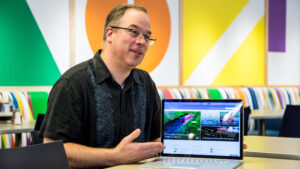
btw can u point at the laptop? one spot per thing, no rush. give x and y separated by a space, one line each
201 133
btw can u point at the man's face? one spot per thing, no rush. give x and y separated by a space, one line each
128 48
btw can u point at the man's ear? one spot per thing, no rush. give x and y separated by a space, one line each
109 34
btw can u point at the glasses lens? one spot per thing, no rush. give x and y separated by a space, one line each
152 41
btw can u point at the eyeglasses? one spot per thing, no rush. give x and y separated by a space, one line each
135 33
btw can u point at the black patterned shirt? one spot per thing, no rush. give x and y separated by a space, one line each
87 106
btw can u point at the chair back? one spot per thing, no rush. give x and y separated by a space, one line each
46 156
290 125
247 111
35 138
39 121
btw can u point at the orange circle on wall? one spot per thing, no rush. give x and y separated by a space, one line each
158 12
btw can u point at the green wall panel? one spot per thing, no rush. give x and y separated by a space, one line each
39 102
25 59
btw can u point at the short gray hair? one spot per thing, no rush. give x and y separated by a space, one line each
117 12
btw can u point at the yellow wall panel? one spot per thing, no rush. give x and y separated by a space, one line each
204 22
247 65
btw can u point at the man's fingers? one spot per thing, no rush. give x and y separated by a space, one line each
148 153
151 145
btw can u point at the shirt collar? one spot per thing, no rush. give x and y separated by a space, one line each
102 73
136 78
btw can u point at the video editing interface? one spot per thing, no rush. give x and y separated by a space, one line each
202 128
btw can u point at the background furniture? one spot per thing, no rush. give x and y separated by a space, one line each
262 116
17 129
247 112
290 126
29 103
35 138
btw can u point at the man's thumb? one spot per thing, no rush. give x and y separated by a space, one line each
132 135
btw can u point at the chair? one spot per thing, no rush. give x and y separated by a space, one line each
290 126
46 156
35 138
247 112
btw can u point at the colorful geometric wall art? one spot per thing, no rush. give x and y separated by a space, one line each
224 42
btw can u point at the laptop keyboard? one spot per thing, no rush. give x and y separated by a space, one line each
194 160
171 162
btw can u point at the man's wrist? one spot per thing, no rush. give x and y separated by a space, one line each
114 155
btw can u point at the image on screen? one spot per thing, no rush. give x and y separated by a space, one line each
182 125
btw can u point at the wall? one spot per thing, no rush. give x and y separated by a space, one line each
284 67
35 50
224 42
161 59
34 42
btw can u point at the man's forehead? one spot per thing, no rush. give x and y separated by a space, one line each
137 19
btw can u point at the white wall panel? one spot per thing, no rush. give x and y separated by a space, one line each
284 67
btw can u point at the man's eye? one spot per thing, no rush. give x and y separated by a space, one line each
147 37
135 32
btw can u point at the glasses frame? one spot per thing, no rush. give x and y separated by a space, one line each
149 40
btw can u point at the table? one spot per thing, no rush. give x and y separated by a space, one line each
272 147
262 115
6 127
249 163
263 153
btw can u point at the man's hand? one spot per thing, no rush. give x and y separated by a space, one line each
128 151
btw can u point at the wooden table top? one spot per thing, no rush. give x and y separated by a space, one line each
273 147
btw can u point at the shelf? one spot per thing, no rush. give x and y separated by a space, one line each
6 114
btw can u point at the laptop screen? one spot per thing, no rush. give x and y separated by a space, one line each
203 128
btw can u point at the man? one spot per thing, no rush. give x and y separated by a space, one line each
104 108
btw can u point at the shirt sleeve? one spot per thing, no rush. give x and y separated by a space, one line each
63 117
